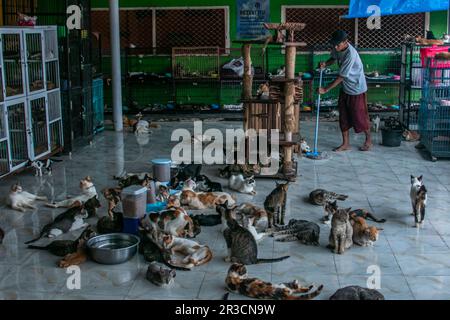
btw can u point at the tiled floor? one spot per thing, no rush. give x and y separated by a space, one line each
414 264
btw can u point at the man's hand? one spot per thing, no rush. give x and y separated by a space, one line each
322 65
322 90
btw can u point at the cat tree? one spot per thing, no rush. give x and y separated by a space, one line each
280 112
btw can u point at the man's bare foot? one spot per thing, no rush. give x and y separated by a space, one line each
366 147
342 148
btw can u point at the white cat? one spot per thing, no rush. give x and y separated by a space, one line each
376 124
243 185
304 146
21 200
249 225
88 191
192 253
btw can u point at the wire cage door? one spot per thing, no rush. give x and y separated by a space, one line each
13 67
34 61
4 152
16 126
38 126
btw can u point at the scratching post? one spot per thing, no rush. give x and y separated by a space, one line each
248 78
289 106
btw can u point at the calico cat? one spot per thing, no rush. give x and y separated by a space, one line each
173 221
185 172
62 248
416 184
21 200
332 207
259 215
320 197
306 232
88 191
243 185
356 293
107 225
241 244
204 184
341 231
420 205
160 275
204 200
246 170
40 165
275 204
246 221
113 196
237 281
363 235
192 253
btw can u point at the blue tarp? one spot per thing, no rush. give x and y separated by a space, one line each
359 8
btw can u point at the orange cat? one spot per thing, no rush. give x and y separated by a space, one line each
204 200
363 235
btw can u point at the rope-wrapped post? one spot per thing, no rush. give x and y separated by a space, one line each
289 105
248 77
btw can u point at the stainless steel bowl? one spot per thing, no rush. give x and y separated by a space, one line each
114 248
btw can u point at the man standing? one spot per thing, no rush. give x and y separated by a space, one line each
353 112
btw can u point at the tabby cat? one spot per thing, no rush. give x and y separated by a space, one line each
341 231
332 207
320 197
241 244
275 204
357 293
160 275
237 281
306 232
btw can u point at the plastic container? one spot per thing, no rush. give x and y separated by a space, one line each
391 138
134 201
161 170
151 193
131 226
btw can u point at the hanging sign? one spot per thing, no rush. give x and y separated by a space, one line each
251 15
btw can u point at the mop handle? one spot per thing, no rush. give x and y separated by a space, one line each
316 136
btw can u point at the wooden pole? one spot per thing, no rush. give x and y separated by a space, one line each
289 106
248 78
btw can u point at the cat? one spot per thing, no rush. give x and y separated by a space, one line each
163 194
375 121
88 191
204 184
356 293
173 221
21 200
135 179
259 215
107 224
241 244
428 42
341 231
2 235
243 185
207 220
420 206
74 259
70 220
160 275
275 204
306 232
39 165
332 207
363 235
237 281
416 184
185 172
246 221
246 170
113 196
263 92
141 126
320 197
62 248
411 136
192 253
304 147
204 200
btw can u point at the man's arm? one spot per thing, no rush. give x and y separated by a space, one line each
333 85
329 62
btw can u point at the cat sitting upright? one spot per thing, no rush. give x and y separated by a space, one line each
88 191
275 204
243 185
21 200
341 231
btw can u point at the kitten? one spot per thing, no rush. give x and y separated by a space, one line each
88 191
204 200
40 165
416 183
263 91
21 200
341 231
243 185
275 204
320 197
306 232
110 225
241 244
237 281
420 205
62 248
172 221
363 235
160 275
204 184
356 293
113 196
192 253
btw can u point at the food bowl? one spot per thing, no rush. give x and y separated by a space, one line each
114 248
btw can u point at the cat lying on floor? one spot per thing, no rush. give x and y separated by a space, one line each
88 191
320 197
237 281
192 253
160 275
172 221
242 185
204 200
363 235
185 172
204 184
356 293
21 200
306 232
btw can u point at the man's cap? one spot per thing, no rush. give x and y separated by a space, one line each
337 37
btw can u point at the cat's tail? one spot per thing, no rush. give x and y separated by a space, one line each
36 239
272 260
226 296
373 218
307 296
341 197
36 247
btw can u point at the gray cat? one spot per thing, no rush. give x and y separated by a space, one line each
160 275
357 293
320 196
241 244
341 231
306 232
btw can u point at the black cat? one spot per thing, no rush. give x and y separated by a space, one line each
185 172
204 184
